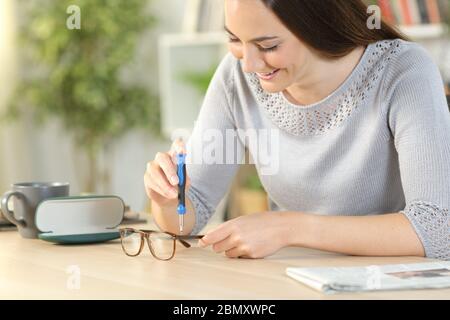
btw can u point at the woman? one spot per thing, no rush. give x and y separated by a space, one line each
363 136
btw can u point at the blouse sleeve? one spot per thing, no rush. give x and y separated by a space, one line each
212 161
419 120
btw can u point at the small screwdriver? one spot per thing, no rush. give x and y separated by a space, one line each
181 172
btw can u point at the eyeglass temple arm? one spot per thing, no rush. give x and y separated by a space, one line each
186 244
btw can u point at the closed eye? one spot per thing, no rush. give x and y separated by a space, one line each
268 49
234 40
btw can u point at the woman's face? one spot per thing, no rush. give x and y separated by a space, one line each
265 45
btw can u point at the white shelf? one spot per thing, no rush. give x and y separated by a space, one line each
424 31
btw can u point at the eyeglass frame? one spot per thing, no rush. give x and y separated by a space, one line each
146 234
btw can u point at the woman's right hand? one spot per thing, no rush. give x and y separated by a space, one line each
160 178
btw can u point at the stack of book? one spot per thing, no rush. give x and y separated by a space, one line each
415 12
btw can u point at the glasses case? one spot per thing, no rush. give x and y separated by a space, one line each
82 219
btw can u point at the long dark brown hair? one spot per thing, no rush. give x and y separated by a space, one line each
332 27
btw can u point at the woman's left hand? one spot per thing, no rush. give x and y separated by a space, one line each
252 236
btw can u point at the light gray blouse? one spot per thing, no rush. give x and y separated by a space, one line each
379 144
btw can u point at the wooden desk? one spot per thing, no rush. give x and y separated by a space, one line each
34 269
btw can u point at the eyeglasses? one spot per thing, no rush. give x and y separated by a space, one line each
162 245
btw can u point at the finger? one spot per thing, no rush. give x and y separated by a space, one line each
157 198
178 146
224 245
159 179
236 252
153 190
167 166
216 235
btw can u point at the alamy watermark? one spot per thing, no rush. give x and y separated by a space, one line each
227 147
374 20
73 22
373 277
74 279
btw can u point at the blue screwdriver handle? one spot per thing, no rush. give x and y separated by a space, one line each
181 172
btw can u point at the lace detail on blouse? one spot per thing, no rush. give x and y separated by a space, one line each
202 213
432 225
328 114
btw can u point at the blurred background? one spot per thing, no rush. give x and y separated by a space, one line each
90 90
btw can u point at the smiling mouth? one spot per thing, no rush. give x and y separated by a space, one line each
267 75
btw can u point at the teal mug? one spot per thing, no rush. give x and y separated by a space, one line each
26 197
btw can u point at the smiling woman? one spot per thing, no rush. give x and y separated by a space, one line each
289 40
363 136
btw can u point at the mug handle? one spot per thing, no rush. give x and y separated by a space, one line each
9 215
